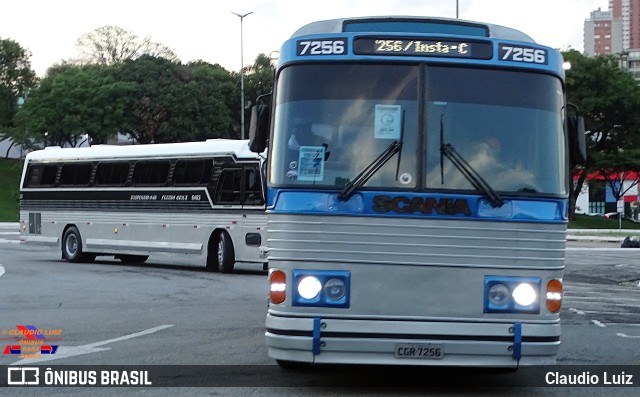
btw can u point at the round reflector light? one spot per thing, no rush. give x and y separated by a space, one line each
277 287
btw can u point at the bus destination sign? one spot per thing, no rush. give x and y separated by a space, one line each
424 47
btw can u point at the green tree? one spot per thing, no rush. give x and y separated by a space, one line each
16 81
174 102
73 101
608 98
199 109
146 110
258 81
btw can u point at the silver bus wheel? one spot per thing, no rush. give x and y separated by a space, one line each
225 253
72 247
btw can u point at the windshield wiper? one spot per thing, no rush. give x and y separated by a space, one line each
369 170
471 174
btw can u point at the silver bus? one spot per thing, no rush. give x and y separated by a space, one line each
198 198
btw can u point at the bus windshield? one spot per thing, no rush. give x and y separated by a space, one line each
332 121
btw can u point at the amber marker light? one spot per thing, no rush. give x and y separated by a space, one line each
554 295
277 286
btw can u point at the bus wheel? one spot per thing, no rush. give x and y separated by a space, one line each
225 255
72 247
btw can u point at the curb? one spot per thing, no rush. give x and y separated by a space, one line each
10 225
596 238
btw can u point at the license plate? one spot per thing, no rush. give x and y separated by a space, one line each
426 351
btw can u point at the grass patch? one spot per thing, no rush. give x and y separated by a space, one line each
600 222
10 173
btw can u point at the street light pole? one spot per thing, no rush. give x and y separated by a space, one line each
241 16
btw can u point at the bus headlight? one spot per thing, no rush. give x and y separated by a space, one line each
506 294
524 294
335 289
499 294
321 288
309 287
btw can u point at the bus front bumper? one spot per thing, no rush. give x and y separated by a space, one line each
389 342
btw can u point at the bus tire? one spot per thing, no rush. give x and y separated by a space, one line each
72 247
225 255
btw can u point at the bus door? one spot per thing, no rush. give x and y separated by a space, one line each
253 206
238 195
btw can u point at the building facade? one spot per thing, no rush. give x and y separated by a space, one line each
597 195
602 34
615 32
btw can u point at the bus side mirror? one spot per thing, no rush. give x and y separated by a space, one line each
577 142
259 128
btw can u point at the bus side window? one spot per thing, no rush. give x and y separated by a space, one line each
76 174
112 173
42 175
192 172
228 188
253 187
151 173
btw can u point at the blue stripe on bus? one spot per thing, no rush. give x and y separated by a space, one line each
553 64
316 336
417 205
517 341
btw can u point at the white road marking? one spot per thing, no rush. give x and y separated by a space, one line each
599 249
1 270
598 323
70 351
622 335
576 311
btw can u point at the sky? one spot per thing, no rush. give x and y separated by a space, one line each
208 30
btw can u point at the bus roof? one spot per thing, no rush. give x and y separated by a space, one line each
412 24
239 148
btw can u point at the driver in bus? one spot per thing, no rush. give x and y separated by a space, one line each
302 135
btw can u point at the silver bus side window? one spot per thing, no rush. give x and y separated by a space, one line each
228 190
112 173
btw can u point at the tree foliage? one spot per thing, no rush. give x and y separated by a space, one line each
152 99
109 45
125 84
175 103
608 98
72 101
16 80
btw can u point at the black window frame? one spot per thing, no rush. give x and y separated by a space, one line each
45 169
78 172
185 167
112 165
150 173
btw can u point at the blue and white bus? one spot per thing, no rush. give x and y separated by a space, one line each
417 194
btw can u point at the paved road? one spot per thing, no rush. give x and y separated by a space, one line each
171 311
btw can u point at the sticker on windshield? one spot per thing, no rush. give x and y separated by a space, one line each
311 163
388 122
405 178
